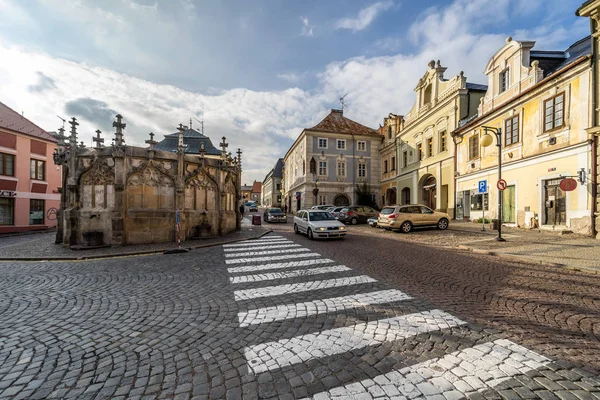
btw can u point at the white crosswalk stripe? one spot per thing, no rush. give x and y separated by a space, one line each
249 243
272 258
300 287
267 252
456 375
286 352
262 247
288 274
291 264
318 306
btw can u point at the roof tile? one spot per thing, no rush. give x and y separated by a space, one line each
12 120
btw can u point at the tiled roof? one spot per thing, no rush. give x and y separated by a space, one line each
335 122
476 86
191 139
278 170
12 120
256 187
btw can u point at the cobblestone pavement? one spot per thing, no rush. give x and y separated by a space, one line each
285 317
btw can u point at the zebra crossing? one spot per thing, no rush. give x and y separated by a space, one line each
457 374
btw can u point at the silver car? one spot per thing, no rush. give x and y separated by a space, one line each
318 224
335 211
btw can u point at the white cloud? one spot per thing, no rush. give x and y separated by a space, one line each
307 29
291 77
365 16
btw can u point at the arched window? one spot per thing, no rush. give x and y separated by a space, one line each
427 94
406 196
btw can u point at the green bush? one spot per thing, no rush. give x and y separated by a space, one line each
481 220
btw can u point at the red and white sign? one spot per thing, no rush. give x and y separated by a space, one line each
568 184
501 185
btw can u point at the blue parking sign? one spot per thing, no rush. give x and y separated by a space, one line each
482 186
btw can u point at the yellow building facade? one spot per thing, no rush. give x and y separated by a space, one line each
418 161
539 102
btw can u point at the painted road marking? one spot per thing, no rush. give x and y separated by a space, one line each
267 252
257 242
263 247
456 375
271 258
288 274
300 287
275 355
291 264
320 306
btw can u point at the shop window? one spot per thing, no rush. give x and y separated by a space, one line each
479 202
7 211
36 212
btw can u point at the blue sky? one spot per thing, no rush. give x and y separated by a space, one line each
258 71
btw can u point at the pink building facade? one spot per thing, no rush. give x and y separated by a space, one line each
29 180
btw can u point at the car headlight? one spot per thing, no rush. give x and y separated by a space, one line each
342 228
321 229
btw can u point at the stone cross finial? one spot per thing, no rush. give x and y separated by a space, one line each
181 129
224 146
73 138
119 125
61 137
81 144
98 139
151 141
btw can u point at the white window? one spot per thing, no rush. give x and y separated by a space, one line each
322 199
341 168
341 144
362 146
504 80
322 143
323 168
362 170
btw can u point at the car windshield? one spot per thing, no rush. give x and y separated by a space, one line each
344 210
320 216
275 210
387 211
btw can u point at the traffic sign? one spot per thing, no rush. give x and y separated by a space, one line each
568 184
298 195
501 185
482 186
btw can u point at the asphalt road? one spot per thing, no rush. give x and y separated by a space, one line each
370 316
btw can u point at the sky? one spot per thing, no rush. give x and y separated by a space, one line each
256 72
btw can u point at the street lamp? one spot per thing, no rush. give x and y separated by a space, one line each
486 141
316 190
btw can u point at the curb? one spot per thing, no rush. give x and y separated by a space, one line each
527 259
129 254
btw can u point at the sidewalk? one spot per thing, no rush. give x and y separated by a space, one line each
42 247
544 247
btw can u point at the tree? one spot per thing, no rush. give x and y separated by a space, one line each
364 195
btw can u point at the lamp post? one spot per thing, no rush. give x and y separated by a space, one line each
486 141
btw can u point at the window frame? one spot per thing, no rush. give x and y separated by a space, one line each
420 151
341 164
37 169
443 138
553 114
3 163
504 80
405 159
429 146
337 144
509 122
364 170
10 203
43 203
385 166
393 164
324 167
363 147
473 148
319 143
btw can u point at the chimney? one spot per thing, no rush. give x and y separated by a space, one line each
337 111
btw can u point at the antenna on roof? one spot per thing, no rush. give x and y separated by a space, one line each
201 121
63 120
190 123
342 101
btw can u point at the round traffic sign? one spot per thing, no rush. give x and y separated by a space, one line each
501 185
568 184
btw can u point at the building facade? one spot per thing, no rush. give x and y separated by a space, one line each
328 161
539 103
117 195
246 192
417 158
29 181
271 186
256 194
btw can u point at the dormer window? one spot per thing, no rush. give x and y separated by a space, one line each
504 80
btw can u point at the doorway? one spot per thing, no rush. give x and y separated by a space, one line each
508 205
555 203
341 200
429 192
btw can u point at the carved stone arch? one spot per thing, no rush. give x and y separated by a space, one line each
229 193
200 190
96 184
150 186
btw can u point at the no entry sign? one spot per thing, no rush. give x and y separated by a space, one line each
501 185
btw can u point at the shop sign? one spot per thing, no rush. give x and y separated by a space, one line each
7 193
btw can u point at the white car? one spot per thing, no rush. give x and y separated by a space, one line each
318 224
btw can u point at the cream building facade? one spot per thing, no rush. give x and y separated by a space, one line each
418 154
540 102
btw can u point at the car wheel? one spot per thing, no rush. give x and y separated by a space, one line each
442 224
296 231
310 234
406 227
354 221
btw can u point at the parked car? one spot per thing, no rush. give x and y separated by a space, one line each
357 214
250 203
274 215
407 217
372 222
335 211
318 224
322 207
253 208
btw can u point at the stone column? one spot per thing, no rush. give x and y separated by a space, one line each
179 182
120 210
